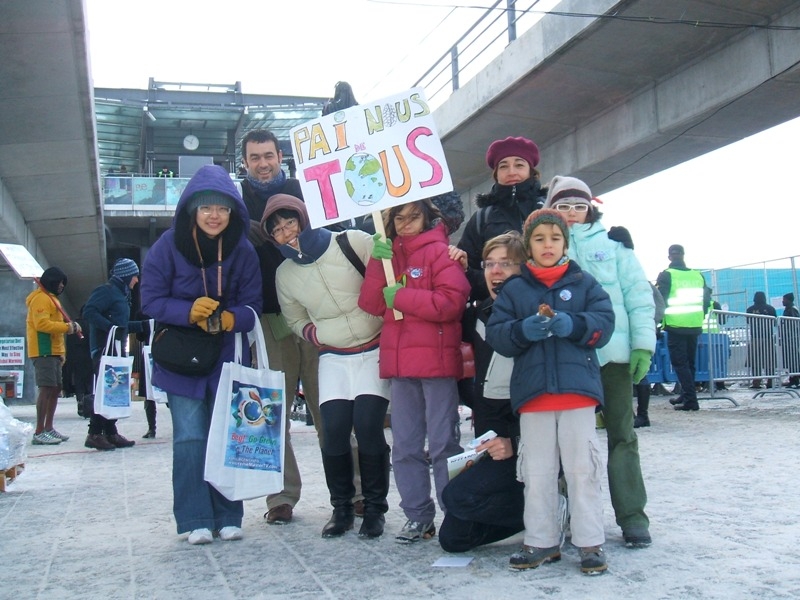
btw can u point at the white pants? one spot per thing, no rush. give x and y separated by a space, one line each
569 437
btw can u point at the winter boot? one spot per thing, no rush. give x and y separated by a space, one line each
642 405
375 487
339 477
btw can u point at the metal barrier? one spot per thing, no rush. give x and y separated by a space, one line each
739 347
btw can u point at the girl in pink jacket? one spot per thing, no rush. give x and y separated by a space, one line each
419 353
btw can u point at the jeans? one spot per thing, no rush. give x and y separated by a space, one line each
484 504
196 503
625 482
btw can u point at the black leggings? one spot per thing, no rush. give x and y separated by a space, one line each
365 415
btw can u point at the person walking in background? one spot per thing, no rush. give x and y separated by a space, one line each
318 289
420 353
202 264
516 193
551 320
761 355
45 328
642 389
296 357
78 371
109 305
687 298
625 359
485 503
790 340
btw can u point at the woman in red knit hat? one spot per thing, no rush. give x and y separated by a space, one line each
516 193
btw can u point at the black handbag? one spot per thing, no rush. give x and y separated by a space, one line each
186 350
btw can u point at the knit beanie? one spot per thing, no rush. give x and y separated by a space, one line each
209 198
789 297
570 189
125 269
51 278
548 216
512 146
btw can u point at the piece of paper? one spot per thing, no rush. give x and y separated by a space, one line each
453 561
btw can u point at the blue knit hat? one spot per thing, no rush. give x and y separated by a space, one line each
125 269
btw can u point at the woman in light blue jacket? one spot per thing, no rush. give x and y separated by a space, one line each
626 358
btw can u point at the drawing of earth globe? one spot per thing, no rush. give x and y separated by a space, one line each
364 179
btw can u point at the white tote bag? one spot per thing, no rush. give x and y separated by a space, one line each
112 385
153 392
245 450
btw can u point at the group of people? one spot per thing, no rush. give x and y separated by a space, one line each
558 309
46 326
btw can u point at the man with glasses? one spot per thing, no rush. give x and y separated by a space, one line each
297 358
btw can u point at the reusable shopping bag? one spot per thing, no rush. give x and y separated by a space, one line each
245 449
112 385
152 392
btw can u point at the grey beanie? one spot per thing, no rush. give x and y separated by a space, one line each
209 198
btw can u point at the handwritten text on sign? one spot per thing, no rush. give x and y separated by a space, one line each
369 157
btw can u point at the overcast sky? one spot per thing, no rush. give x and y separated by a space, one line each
719 206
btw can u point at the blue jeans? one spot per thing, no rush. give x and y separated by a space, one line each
196 503
484 504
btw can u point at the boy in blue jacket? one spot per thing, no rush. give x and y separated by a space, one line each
551 319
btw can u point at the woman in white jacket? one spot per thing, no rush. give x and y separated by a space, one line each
626 358
318 290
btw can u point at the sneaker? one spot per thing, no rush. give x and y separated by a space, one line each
279 515
200 536
637 537
120 441
99 442
44 439
414 531
531 557
230 533
593 561
59 436
151 434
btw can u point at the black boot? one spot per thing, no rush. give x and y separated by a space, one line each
642 405
375 487
339 476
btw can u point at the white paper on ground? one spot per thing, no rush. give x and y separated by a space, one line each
453 561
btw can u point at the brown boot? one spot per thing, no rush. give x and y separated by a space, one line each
99 442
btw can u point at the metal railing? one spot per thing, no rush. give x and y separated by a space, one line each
738 347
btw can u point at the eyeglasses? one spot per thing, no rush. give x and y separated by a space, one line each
566 207
288 224
220 210
400 220
505 265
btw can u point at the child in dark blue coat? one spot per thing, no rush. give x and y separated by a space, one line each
551 319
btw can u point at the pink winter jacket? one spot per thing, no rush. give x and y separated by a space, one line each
425 342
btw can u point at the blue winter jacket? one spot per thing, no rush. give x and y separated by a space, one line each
171 284
554 365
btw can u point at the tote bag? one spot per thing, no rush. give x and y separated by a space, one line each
154 393
245 449
112 385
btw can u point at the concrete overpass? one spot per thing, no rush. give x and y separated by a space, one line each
613 94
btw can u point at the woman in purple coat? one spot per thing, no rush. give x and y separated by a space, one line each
203 264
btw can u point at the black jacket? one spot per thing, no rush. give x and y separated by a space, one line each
503 209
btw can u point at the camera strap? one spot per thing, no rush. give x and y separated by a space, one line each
203 267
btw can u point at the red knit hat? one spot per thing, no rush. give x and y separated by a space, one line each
512 146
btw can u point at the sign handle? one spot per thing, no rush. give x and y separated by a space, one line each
388 271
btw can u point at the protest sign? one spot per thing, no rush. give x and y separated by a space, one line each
369 157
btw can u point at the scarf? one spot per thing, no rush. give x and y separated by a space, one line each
313 244
269 188
549 275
